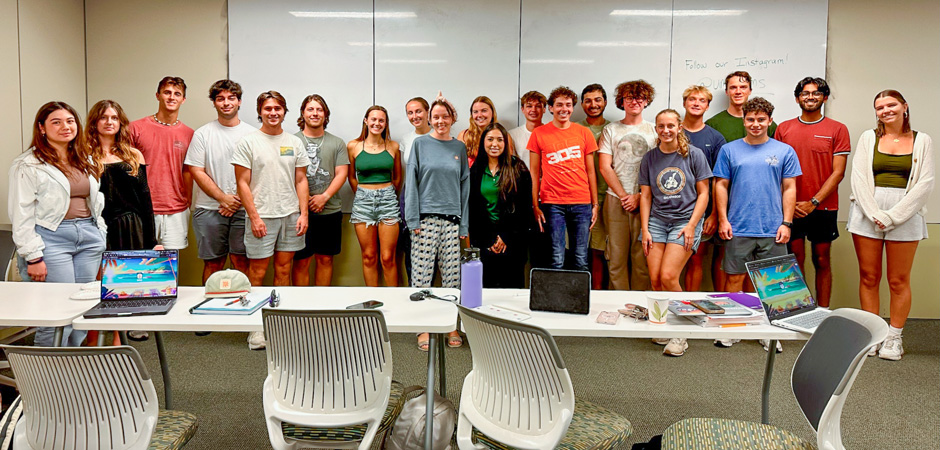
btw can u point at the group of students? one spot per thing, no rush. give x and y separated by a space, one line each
645 199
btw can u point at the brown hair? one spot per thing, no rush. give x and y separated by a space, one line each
172 81
267 95
474 132
738 74
759 104
696 89
562 91
78 157
122 140
365 129
681 138
906 126
224 85
510 171
420 100
532 95
636 89
450 108
303 105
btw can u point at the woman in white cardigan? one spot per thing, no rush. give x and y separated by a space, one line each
892 176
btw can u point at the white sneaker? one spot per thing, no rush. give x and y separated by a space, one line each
766 344
256 340
891 349
138 335
726 342
676 347
661 341
874 350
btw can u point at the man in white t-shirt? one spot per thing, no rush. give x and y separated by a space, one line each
622 146
533 108
271 176
218 215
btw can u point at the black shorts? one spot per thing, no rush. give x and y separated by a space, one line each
324 235
819 226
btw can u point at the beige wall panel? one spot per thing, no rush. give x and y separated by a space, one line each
11 131
132 44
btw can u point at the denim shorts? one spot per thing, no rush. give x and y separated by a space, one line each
371 206
668 232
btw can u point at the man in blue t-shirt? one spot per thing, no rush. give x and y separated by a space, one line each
755 194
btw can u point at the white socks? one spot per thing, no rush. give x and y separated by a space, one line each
894 331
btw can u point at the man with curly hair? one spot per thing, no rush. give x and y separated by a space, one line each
622 146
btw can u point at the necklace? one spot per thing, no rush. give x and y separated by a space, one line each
164 123
313 142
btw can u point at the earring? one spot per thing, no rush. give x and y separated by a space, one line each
907 113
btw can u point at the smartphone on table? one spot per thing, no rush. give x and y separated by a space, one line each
369 304
707 306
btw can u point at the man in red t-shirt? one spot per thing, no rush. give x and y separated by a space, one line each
822 145
163 139
564 184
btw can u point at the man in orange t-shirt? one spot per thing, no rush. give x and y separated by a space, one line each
564 184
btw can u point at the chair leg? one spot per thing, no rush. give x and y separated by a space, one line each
465 434
276 435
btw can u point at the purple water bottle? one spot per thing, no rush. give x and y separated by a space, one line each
471 278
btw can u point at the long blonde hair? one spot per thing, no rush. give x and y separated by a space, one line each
122 140
681 138
475 132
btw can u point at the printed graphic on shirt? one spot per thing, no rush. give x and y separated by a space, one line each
670 182
565 154
179 146
772 161
628 154
287 151
319 178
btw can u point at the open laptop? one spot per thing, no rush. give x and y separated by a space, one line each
137 283
784 294
565 291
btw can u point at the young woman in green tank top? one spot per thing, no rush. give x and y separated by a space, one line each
375 177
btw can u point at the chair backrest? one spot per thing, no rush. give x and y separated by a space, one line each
519 380
826 367
328 361
85 397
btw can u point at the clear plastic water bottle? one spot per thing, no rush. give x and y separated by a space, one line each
471 278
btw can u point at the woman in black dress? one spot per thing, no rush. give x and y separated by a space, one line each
128 210
500 209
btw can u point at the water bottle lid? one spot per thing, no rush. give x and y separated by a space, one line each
471 253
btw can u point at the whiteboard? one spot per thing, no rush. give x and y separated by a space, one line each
356 53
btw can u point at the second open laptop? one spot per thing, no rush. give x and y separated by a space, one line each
137 282
565 291
784 294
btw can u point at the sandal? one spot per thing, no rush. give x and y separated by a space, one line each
424 344
454 341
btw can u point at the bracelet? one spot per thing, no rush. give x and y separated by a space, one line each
34 262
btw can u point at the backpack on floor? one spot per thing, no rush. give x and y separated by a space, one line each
408 431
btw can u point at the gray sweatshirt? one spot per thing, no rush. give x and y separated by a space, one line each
437 181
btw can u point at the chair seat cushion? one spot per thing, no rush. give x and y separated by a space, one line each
353 433
592 427
174 429
717 434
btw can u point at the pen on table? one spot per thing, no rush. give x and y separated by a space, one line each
233 302
730 325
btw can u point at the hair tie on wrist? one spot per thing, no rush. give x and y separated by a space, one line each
34 262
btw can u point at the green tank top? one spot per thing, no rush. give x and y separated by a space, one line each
374 168
891 170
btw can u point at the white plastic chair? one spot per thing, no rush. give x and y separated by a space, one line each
326 369
519 393
821 379
95 398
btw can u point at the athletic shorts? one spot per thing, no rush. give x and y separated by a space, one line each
172 230
914 229
217 235
740 250
819 227
371 206
281 237
668 232
324 235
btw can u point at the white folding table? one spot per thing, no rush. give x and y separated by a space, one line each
40 305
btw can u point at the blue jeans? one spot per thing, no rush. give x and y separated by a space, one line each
72 255
559 219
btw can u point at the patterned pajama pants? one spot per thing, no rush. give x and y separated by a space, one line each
438 241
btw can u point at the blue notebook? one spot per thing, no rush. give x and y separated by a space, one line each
230 305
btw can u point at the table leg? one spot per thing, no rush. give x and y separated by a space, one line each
441 366
429 392
765 390
165 369
57 337
123 336
101 335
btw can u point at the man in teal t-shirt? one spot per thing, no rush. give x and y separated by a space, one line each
730 122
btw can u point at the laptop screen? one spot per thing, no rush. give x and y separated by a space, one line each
780 285
136 274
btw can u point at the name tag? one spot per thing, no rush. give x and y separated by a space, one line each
287 151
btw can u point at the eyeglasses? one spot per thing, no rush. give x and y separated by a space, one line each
638 100
814 94
275 299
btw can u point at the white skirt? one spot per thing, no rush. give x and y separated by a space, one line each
914 229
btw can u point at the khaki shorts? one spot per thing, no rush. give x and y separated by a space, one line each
172 230
281 237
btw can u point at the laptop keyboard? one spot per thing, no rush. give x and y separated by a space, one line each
142 303
811 319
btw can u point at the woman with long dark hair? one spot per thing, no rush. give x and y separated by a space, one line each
892 176
500 209
55 207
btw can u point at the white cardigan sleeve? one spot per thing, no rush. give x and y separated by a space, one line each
920 184
863 180
22 208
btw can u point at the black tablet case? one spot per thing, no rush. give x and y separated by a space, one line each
565 291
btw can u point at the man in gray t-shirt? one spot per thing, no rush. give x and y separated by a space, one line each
329 165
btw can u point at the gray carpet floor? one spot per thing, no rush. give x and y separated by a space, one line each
893 405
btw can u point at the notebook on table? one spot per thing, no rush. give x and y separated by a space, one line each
137 282
784 295
555 290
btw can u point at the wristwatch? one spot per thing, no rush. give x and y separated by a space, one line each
787 224
814 202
